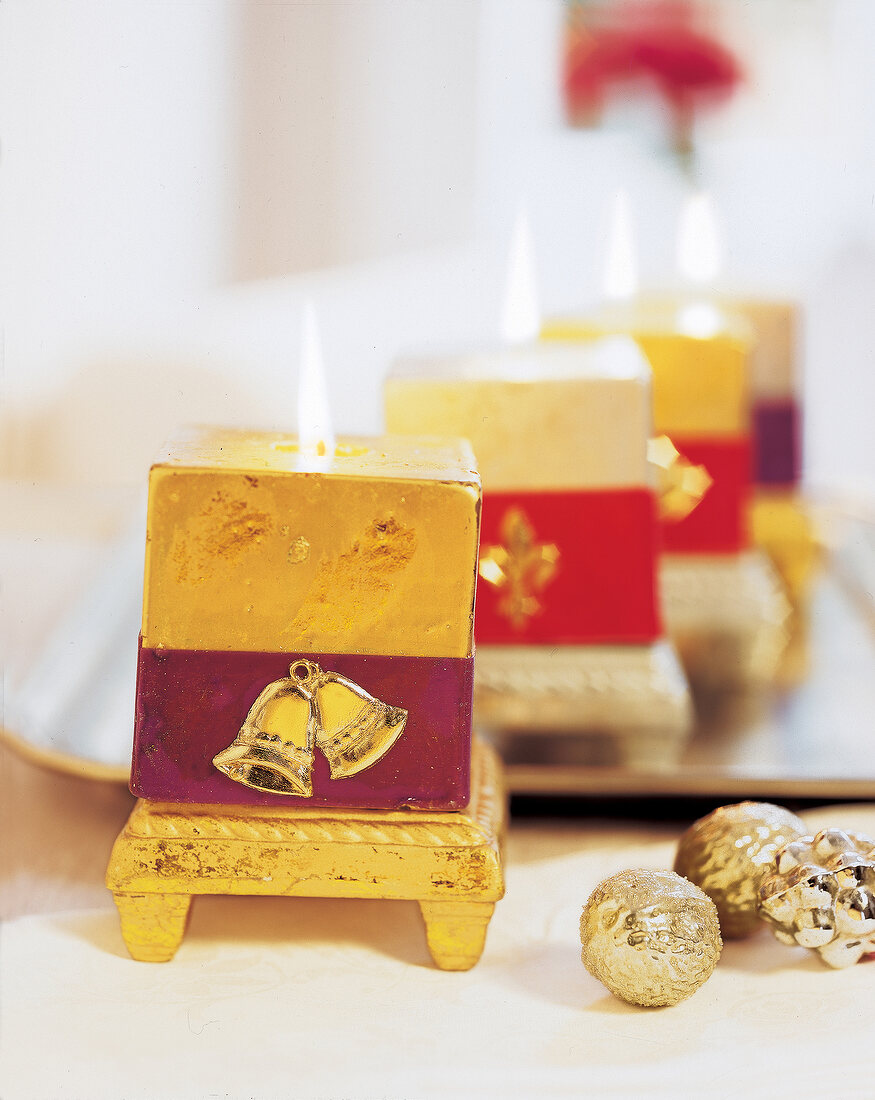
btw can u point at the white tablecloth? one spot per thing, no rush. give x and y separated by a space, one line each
270 997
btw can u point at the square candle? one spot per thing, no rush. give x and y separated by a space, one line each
775 399
723 604
568 627
773 381
560 435
701 402
307 623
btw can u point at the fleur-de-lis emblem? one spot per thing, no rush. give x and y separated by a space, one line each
520 567
680 484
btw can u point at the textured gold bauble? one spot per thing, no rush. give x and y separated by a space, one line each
730 852
651 937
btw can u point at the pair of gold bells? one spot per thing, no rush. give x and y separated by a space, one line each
275 748
654 937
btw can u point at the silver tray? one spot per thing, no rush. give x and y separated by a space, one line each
71 565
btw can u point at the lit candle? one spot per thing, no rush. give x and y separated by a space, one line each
773 324
568 617
700 355
778 517
307 618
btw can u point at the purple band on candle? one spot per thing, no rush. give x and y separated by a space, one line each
191 705
776 442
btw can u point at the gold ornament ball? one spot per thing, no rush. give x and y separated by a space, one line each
730 852
651 937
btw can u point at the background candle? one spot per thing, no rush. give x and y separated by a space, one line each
778 519
773 353
567 597
537 416
700 400
774 387
700 360
770 328
781 519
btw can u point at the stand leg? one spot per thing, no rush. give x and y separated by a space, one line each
456 931
153 924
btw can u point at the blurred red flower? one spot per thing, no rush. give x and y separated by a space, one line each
658 45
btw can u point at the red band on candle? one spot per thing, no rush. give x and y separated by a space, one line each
192 703
597 550
718 524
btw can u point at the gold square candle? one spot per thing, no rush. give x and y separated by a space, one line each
700 363
337 592
771 329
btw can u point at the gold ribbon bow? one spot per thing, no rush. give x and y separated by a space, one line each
680 484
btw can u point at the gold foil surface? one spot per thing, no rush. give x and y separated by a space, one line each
651 937
700 385
822 896
729 854
773 325
253 547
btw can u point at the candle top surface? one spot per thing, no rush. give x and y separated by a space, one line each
400 457
700 356
771 325
610 358
697 316
586 428
774 359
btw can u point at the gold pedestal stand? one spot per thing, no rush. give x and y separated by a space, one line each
449 862
626 705
727 615
782 524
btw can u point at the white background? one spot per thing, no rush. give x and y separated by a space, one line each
176 177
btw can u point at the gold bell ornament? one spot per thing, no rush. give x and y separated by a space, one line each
354 730
274 748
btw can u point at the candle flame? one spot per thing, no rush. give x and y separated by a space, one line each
315 432
699 243
702 320
621 264
521 315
